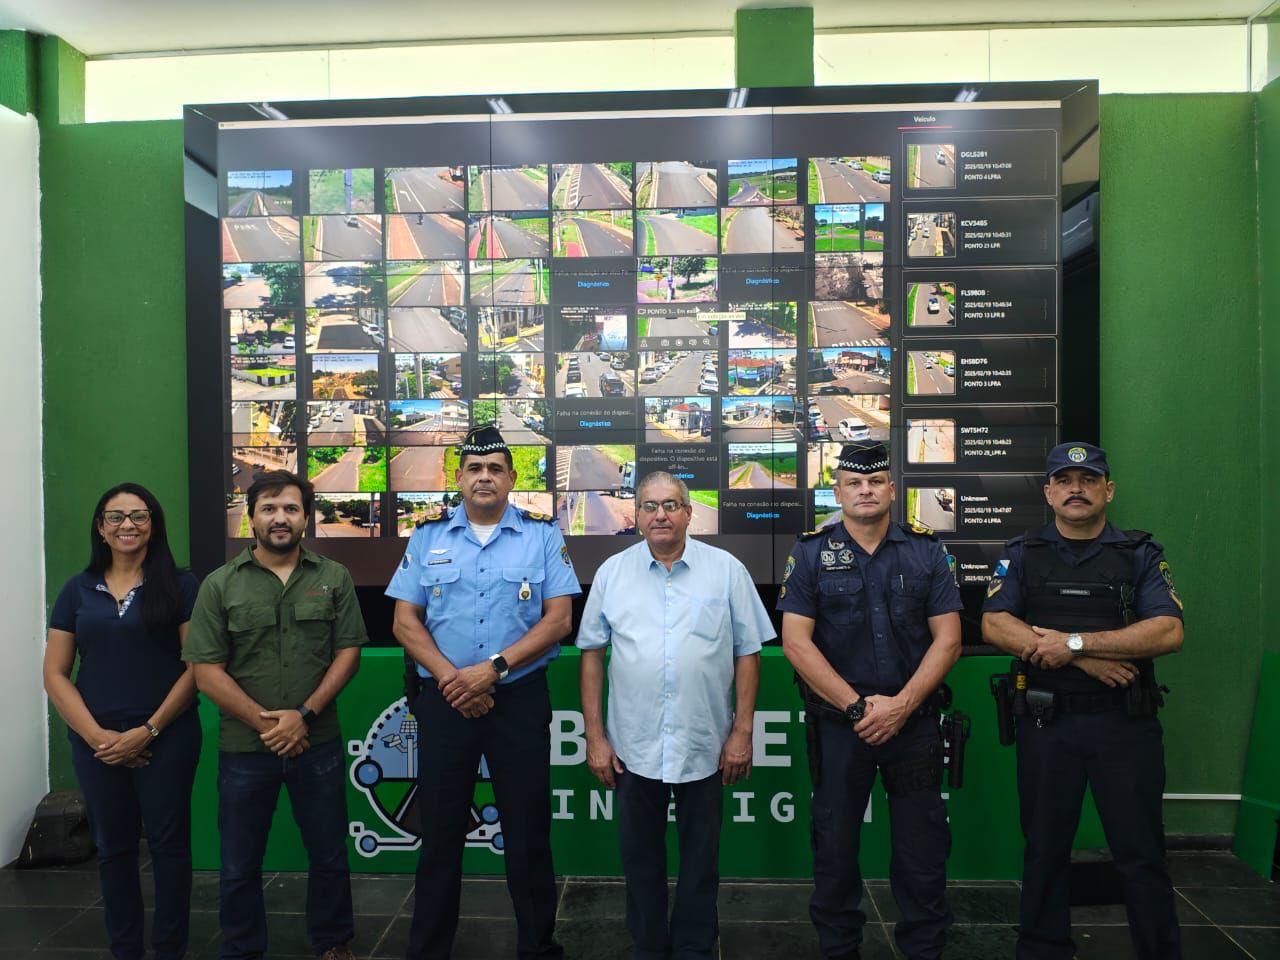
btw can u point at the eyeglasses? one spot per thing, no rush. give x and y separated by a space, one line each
668 506
113 518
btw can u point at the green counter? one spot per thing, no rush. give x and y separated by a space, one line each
766 818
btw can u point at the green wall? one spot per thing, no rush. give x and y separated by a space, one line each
1268 220
1179 360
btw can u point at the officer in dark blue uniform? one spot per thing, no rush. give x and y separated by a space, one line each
870 624
483 598
1088 607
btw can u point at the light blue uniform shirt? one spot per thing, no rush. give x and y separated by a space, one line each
479 599
675 636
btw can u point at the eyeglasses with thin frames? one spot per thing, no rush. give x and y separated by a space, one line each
113 518
668 506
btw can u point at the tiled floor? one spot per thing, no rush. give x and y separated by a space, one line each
1227 913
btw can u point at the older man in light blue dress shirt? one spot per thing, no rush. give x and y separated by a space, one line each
686 626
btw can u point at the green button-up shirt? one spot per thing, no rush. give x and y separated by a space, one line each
276 639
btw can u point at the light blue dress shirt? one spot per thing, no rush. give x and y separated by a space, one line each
478 598
675 636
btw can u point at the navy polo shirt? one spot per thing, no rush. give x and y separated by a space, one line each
871 611
125 671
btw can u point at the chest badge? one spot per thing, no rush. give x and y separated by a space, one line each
828 557
525 593
846 556
435 592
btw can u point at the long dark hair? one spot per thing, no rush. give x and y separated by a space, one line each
162 599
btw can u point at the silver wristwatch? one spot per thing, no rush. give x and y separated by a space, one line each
1075 643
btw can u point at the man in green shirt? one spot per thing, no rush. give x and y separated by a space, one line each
274 636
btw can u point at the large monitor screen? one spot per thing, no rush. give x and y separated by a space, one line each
640 282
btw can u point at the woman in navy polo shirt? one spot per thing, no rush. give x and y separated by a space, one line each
135 736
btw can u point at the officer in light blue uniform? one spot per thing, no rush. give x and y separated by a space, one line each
482 603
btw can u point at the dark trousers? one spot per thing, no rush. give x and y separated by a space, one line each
124 802
642 829
919 836
248 789
515 739
1122 760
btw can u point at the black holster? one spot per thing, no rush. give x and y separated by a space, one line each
955 733
412 682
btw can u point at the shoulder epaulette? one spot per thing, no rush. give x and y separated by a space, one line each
812 534
540 517
442 515
1136 538
919 529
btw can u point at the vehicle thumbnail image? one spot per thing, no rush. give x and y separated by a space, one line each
511 329
351 236
591 186
931 235
674 373
413 508
931 373
762 466
756 419
426 236
347 468
510 375
931 441
347 515
932 507
424 423
592 233
862 179
758 372
931 304
598 374
608 467
675 183
259 193
666 279
677 325
425 189
521 421
595 513
344 376
340 191
260 286
848 227
677 419
427 329
428 376
507 188
683 231
425 283
762 324
259 239
847 323
931 166
762 182
330 331
848 276
348 284
505 236
502 283
346 423
762 230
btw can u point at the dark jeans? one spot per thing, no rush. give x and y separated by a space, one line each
248 788
515 739
1122 760
123 802
642 828
919 836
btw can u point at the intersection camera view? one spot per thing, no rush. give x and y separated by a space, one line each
724 295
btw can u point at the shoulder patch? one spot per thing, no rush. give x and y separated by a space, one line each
540 517
919 529
442 515
1167 575
994 587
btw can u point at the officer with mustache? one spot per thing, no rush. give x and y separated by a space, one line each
1088 607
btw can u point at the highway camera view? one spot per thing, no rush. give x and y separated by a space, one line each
732 319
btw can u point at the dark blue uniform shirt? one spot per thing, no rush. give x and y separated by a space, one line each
125 672
1154 592
870 610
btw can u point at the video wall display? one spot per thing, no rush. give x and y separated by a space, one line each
727 295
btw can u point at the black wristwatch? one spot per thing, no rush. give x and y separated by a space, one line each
854 711
306 713
500 665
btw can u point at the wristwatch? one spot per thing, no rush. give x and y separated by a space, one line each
306 713
1075 643
500 666
854 711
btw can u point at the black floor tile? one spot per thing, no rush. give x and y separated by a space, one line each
50 888
995 903
1261 943
755 902
1212 869
595 939
287 936
286 893
1236 906
477 939
980 941
383 896
86 930
204 891
25 928
1113 943
487 899
1114 914
593 900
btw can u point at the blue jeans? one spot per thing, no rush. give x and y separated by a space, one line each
248 788
123 802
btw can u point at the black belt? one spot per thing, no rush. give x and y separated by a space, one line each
1100 702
